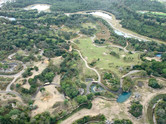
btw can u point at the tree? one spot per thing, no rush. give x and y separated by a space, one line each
81 99
124 121
136 109
153 83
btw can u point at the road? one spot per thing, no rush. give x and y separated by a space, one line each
98 74
154 106
86 64
129 73
15 76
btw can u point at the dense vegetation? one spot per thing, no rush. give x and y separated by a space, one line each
10 115
46 76
153 67
153 83
86 119
160 112
126 10
136 109
150 107
33 31
123 121
127 84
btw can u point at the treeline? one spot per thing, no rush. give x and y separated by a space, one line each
160 112
153 68
86 119
126 10
26 34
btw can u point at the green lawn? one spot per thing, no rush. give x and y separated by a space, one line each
106 61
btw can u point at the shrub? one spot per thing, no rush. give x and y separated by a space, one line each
136 109
153 83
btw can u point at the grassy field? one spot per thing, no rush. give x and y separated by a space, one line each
106 61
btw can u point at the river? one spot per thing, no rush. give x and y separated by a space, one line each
115 24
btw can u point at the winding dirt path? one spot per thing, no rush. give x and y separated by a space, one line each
15 76
86 64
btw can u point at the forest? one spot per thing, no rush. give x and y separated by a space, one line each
42 36
125 10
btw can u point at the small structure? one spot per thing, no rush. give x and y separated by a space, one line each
137 96
81 91
140 84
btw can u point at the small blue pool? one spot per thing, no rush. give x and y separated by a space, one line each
123 97
94 89
158 55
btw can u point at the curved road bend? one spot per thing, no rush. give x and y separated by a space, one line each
129 73
16 76
99 77
86 64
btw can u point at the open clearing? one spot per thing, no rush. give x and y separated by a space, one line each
106 61
5 97
46 99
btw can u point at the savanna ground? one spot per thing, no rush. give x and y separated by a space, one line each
45 100
113 110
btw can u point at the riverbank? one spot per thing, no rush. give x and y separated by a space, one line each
115 24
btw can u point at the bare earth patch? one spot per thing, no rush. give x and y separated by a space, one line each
113 110
47 99
5 97
155 58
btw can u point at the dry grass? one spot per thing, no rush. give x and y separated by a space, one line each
104 32
46 99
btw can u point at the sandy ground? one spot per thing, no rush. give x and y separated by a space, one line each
57 60
112 109
6 97
41 66
47 99
56 79
155 58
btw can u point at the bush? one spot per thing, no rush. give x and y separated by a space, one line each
136 109
114 54
81 99
124 121
153 83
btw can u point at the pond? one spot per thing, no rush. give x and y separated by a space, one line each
94 89
39 7
123 97
9 18
158 55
